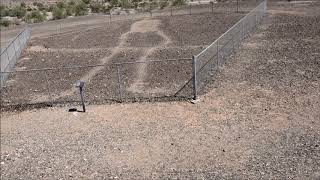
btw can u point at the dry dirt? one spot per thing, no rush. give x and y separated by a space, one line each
259 120
125 41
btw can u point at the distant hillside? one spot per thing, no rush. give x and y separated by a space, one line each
7 2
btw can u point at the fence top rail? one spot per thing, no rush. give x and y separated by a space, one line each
242 19
97 65
15 38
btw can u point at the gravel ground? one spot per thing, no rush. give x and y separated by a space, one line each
259 120
124 41
101 37
201 29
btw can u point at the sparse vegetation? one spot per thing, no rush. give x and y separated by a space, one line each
125 4
4 22
19 12
59 13
70 9
35 16
37 12
178 2
163 4
81 9
96 6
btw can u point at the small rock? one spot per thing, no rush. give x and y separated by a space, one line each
195 101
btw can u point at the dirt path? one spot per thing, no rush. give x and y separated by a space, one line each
254 123
139 85
145 25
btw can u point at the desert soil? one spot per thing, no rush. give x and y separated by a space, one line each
148 39
258 120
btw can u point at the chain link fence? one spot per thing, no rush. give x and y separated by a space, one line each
11 53
148 80
206 64
78 22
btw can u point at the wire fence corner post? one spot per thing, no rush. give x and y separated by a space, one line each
119 82
189 9
194 73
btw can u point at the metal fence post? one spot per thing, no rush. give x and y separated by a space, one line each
189 9
119 82
194 72
171 10
150 10
8 58
48 87
20 46
211 6
14 48
217 54
237 6
233 43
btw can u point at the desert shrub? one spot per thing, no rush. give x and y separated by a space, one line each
95 6
81 9
4 22
86 1
114 3
40 6
35 17
59 13
70 10
125 4
29 8
51 7
106 9
61 5
163 4
135 3
153 4
9 12
19 12
3 10
23 4
143 4
178 2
